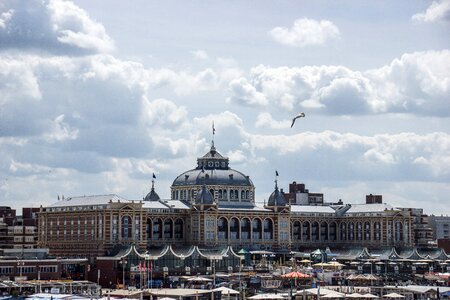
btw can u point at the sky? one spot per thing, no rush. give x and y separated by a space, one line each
96 96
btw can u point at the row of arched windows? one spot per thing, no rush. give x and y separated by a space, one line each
159 229
223 194
245 228
263 229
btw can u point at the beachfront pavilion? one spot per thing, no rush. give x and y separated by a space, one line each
140 268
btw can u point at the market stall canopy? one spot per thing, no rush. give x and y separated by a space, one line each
333 296
266 296
369 295
393 295
226 291
296 275
354 295
199 279
335 264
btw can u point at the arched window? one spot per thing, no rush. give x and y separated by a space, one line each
222 228
256 229
234 229
296 231
367 231
315 233
359 231
126 227
343 231
157 229
333 231
351 231
398 231
323 231
377 231
168 229
247 195
179 229
306 231
268 229
245 229
242 194
236 194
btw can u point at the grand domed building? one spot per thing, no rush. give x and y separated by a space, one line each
213 216
213 205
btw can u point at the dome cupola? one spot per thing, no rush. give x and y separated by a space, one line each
152 195
204 197
277 197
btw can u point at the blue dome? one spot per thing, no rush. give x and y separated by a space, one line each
276 198
212 177
204 196
152 196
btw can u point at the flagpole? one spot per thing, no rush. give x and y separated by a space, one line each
213 132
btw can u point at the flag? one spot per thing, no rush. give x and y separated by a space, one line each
154 177
213 129
276 173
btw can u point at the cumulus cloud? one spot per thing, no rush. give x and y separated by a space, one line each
265 120
349 156
199 54
246 93
51 25
305 32
438 11
416 83
5 17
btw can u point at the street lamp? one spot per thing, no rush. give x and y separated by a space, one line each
123 263
20 265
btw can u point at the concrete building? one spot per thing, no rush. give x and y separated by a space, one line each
441 230
423 232
18 231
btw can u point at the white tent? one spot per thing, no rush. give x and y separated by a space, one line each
226 291
266 296
393 295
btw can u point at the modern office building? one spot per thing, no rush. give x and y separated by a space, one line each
18 231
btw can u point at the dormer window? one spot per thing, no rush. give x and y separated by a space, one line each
217 164
223 164
210 164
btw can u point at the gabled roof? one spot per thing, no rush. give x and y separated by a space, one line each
352 254
433 253
385 254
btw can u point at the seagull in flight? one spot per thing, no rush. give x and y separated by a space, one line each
300 115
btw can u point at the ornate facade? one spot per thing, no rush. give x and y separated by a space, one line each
213 205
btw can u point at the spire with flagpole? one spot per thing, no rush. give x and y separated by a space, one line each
213 132
276 179
153 181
